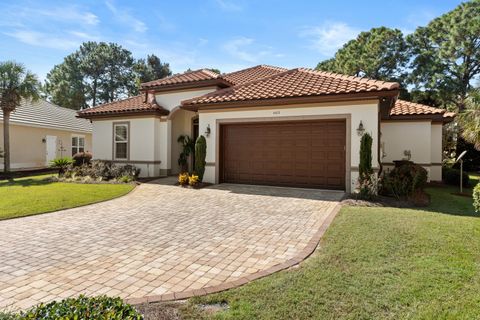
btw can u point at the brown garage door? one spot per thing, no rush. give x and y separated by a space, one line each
298 154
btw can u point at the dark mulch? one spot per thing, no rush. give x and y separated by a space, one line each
468 195
159 311
419 200
199 185
26 173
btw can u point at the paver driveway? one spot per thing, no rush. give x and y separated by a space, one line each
158 240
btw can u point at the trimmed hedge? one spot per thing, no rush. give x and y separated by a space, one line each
405 180
82 158
476 198
200 155
452 176
103 170
83 307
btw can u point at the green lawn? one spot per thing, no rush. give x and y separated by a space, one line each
33 195
375 263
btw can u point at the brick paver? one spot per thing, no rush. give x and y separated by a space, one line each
158 240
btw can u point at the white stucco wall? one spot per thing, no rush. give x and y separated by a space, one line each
367 112
423 139
145 146
170 100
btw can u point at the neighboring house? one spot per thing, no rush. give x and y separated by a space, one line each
41 131
269 125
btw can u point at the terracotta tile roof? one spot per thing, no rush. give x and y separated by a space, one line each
293 83
252 74
129 105
449 115
409 110
402 108
181 78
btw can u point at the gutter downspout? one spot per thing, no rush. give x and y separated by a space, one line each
379 142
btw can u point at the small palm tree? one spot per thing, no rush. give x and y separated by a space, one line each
188 147
470 119
16 83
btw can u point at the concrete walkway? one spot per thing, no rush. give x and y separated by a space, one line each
160 242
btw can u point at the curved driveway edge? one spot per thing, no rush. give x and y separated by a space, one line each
304 254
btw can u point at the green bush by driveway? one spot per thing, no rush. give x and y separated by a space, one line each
33 195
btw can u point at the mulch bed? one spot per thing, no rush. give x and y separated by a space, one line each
420 200
199 185
159 311
26 173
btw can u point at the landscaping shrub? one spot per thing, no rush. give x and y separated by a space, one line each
5 315
82 158
365 166
452 176
476 197
103 171
367 180
405 180
61 164
200 155
368 187
183 178
188 147
193 180
83 307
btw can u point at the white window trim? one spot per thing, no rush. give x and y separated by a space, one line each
78 136
114 142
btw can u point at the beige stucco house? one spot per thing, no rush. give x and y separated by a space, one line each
41 131
269 125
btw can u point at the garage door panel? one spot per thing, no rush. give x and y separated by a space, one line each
301 154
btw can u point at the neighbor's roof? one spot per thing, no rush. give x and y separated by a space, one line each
136 104
293 83
45 114
202 75
252 74
405 109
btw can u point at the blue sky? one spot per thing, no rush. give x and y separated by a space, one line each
223 34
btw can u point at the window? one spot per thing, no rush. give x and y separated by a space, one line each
78 144
120 141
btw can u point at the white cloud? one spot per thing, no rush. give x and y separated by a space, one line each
122 15
84 36
46 40
329 37
243 48
236 48
229 5
179 56
70 14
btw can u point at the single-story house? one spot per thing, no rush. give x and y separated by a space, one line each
269 125
41 131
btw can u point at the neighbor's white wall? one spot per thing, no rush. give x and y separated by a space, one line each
170 100
367 113
28 151
423 139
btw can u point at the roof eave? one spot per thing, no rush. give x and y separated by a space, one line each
437 117
116 114
291 100
219 82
